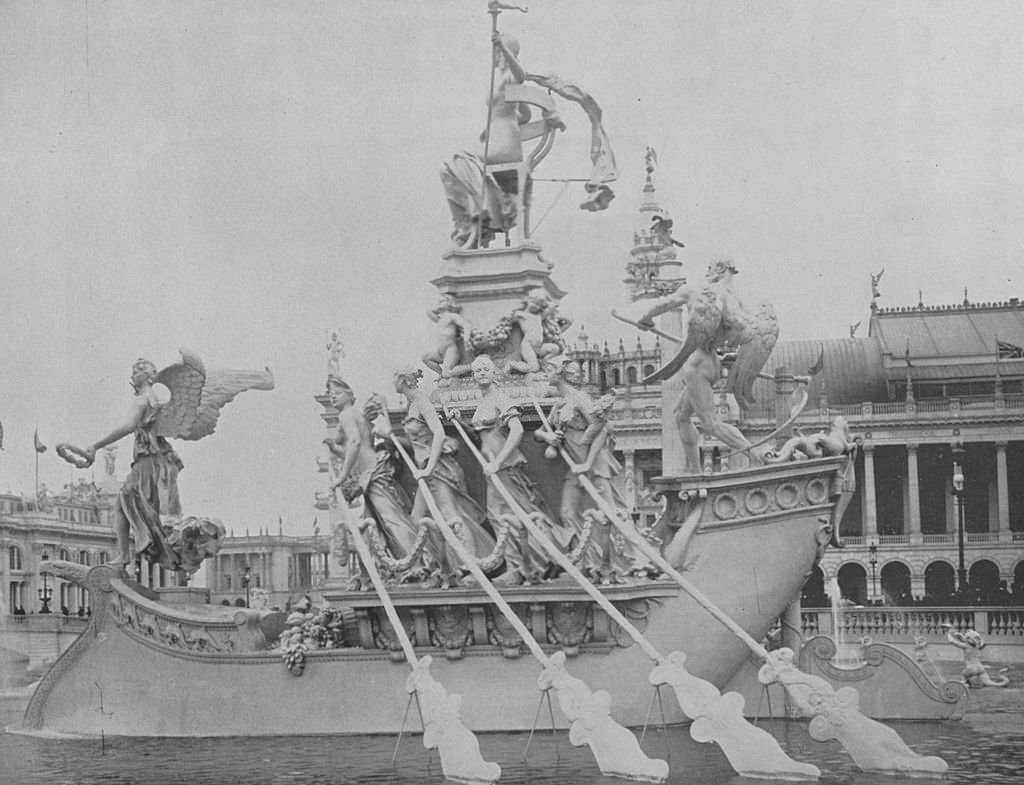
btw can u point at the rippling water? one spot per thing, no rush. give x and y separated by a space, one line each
995 755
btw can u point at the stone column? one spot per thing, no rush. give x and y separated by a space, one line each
913 495
870 507
1002 493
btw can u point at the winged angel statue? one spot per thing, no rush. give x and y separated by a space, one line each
715 318
183 401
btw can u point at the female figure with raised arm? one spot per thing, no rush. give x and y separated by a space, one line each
150 490
434 452
581 429
497 421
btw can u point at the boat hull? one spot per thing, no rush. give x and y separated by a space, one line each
146 668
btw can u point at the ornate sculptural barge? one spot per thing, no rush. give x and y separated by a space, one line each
747 537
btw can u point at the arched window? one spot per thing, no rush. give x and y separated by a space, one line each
14 559
648 370
631 375
83 558
616 377
63 554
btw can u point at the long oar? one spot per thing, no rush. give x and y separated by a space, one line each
752 751
615 749
872 745
442 726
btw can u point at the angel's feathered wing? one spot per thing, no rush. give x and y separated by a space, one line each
703 319
220 389
185 381
754 336
197 396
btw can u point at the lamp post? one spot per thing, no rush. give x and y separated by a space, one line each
958 492
45 593
246 578
873 561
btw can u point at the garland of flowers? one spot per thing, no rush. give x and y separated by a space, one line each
495 338
584 536
380 553
491 561
318 629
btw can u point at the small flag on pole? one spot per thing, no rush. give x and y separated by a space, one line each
1008 351
40 447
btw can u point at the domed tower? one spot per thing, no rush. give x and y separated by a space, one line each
653 267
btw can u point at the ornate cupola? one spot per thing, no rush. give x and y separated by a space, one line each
652 270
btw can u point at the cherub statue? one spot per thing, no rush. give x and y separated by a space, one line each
542 328
975 673
715 317
182 401
448 358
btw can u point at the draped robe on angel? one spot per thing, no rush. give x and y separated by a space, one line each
149 497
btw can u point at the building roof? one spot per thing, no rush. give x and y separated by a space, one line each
961 334
853 371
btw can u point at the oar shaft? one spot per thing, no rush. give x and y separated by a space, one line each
371 567
560 558
654 554
645 328
469 560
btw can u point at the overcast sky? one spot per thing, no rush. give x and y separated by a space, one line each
240 177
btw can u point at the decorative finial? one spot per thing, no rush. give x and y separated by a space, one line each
966 301
650 162
853 328
920 299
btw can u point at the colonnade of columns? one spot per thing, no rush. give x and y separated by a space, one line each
912 491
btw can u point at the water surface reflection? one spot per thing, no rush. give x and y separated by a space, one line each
321 760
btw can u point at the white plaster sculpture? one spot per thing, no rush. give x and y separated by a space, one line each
443 729
835 714
752 751
615 748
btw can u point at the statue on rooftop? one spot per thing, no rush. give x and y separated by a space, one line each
182 401
715 317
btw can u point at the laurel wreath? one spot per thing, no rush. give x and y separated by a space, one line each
76 456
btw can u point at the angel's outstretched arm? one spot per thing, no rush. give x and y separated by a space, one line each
132 422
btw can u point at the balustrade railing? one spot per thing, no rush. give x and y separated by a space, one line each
896 624
924 406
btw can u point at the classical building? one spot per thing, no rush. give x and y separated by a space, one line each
934 393
267 570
